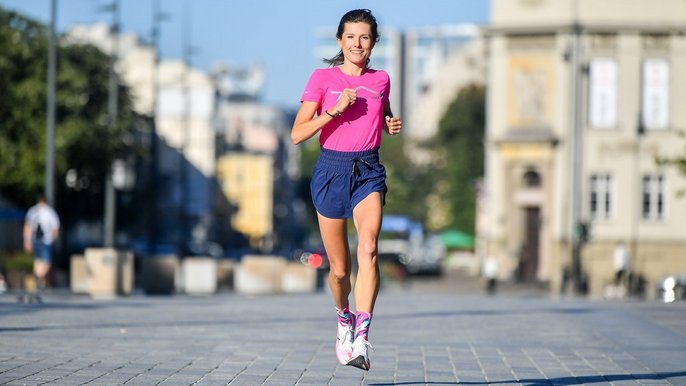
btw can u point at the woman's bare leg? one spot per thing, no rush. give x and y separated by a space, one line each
335 237
367 216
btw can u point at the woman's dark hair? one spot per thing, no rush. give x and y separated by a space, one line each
354 16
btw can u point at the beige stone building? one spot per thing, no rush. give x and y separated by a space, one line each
570 82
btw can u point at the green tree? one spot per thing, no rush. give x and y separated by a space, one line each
408 182
678 162
84 140
459 148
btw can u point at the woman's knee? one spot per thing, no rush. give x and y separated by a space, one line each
339 274
367 246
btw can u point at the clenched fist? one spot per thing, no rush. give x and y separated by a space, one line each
393 125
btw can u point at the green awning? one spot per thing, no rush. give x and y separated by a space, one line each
452 238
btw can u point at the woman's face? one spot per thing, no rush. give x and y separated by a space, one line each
356 43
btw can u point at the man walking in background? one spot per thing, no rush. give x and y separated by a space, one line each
41 228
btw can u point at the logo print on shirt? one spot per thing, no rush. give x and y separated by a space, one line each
368 93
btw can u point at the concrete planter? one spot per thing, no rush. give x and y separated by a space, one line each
259 275
109 272
78 274
299 278
198 276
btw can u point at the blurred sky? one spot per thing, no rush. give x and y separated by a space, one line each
281 34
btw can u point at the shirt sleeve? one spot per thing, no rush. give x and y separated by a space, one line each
29 216
314 90
387 89
55 219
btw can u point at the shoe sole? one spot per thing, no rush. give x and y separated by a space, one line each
359 362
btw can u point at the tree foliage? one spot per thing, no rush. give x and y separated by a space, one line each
459 148
408 182
84 140
678 162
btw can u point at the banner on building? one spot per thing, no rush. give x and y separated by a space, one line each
603 93
655 98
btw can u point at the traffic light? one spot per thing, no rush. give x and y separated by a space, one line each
583 232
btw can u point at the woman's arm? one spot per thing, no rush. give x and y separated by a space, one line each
387 113
304 126
392 125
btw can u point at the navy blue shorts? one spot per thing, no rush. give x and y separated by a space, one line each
42 251
341 180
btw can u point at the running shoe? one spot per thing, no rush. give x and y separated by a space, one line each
344 342
360 354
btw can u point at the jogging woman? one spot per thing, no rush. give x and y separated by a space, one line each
348 105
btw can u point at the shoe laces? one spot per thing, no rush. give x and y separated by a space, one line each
348 334
365 343
369 345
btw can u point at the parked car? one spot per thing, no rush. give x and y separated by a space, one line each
403 241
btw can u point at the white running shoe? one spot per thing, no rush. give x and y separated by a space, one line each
360 354
344 342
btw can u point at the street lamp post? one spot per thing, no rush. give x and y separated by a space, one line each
638 209
184 173
112 111
158 16
50 127
577 153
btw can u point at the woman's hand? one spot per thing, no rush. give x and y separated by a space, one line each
345 100
393 125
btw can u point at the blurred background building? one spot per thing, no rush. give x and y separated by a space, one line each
224 173
180 100
257 164
583 96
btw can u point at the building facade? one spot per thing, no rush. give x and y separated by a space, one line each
583 97
257 166
180 100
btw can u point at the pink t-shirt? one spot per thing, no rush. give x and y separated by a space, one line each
360 126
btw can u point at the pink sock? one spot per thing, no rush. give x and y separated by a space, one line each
362 322
345 318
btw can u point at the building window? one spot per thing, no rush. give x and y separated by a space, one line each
532 179
601 196
653 206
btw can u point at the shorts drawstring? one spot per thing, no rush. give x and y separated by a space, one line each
355 161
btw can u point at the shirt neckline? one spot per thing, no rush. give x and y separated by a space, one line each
364 72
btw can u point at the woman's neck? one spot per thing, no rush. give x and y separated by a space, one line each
352 69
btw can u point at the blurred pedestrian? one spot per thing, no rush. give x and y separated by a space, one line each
490 274
348 105
621 260
41 228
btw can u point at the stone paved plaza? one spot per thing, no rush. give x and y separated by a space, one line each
421 337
